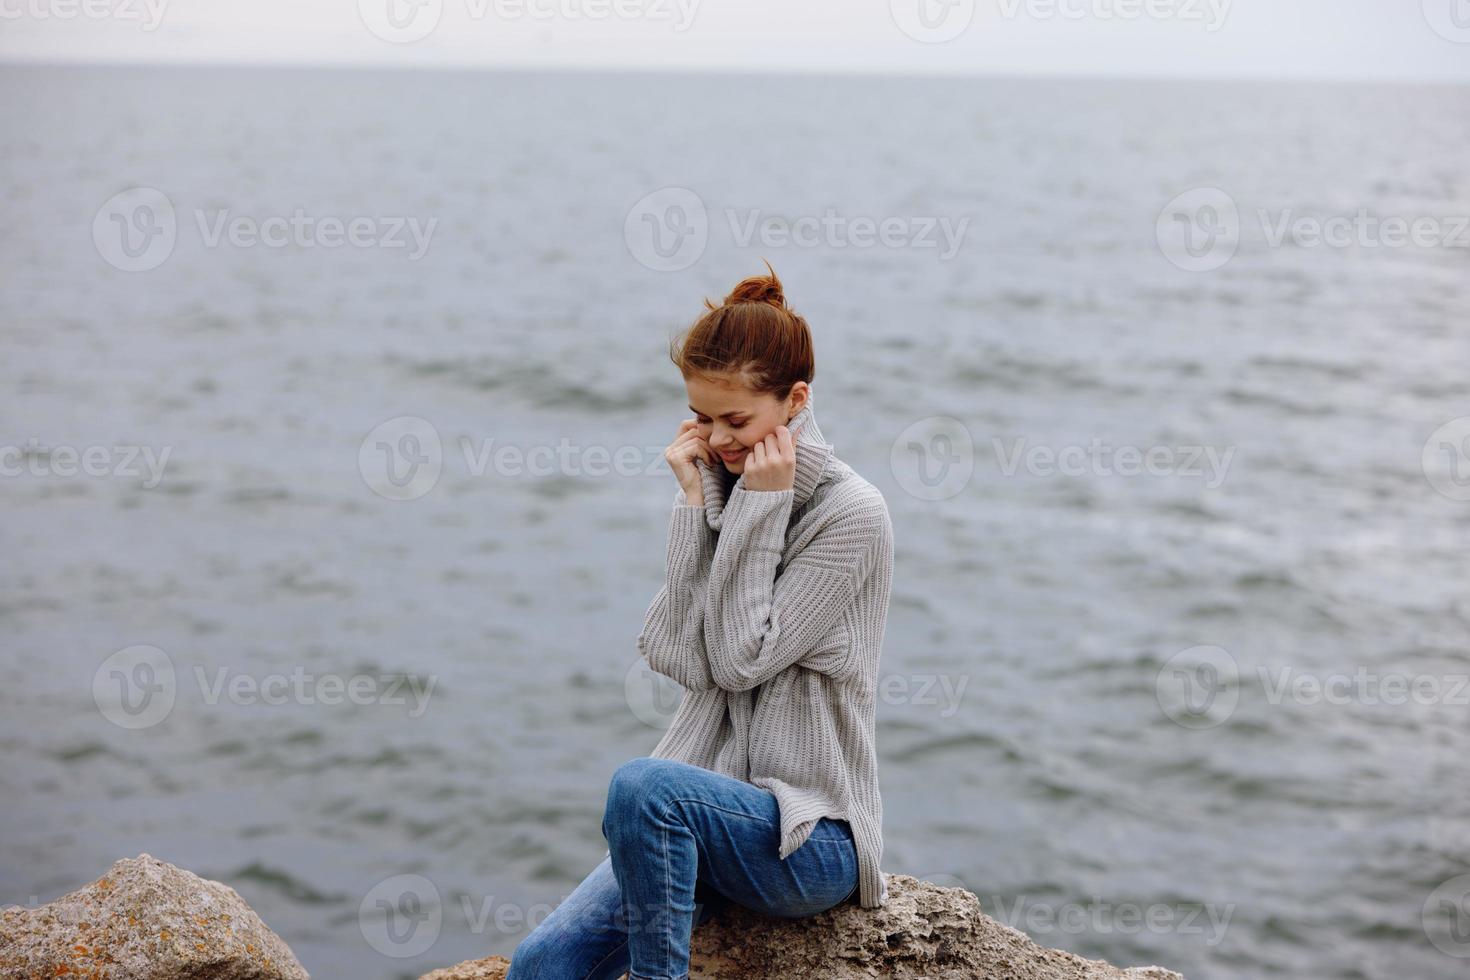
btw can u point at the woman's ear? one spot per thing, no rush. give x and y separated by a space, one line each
800 394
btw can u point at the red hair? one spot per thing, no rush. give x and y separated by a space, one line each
753 333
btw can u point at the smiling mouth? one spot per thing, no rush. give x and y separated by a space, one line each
732 457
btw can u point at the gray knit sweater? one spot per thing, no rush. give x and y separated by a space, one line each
772 618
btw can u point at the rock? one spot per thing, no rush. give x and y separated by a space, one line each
144 920
148 920
490 968
924 931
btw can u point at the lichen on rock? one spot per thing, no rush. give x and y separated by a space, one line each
923 932
149 920
145 919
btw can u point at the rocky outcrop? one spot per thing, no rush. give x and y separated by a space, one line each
148 920
923 931
144 920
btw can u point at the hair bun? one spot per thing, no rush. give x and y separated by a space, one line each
758 289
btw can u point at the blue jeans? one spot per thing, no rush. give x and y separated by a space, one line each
682 840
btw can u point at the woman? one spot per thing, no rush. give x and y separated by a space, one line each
764 789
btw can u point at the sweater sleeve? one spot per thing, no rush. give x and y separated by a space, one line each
672 638
758 624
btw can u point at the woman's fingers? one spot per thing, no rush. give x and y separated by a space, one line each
783 440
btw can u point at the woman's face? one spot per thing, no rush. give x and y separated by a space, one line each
732 417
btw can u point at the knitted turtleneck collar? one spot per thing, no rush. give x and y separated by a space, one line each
813 453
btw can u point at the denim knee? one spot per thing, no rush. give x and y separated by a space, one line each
532 959
635 785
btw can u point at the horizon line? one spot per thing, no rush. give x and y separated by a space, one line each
832 71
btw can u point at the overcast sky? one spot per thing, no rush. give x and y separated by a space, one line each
1332 39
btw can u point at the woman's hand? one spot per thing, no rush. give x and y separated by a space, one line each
771 463
681 454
